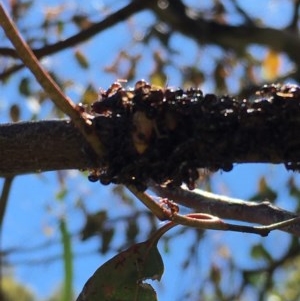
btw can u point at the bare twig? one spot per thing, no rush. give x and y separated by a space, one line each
48 84
3 204
235 38
204 220
293 26
263 213
10 70
4 198
30 60
239 9
148 201
119 16
111 20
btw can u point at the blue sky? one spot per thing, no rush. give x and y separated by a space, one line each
33 211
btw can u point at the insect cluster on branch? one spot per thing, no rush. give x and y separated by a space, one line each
166 134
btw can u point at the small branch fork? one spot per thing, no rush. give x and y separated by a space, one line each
116 17
81 120
168 210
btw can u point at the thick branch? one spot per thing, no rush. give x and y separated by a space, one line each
29 147
163 135
236 38
63 102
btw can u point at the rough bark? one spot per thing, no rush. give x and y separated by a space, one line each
187 130
29 147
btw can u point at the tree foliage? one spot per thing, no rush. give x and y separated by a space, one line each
154 133
12 290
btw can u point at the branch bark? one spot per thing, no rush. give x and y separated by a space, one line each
258 212
29 147
79 118
186 131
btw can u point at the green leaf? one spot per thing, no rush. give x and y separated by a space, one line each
107 236
293 188
158 78
13 290
89 95
61 194
256 279
24 86
94 224
121 278
265 192
132 230
81 59
258 251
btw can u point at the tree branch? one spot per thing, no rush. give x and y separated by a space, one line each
80 119
3 202
236 38
230 208
82 36
188 131
29 147
111 20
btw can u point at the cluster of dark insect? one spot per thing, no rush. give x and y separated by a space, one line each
152 133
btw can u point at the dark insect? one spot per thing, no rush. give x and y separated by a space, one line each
145 150
93 175
164 135
268 90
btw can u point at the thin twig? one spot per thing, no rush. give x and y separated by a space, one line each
262 212
82 36
10 70
248 19
204 220
148 201
116 17
49 85
4 198
3 204
30 60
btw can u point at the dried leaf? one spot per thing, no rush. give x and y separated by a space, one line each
14 113
271 65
